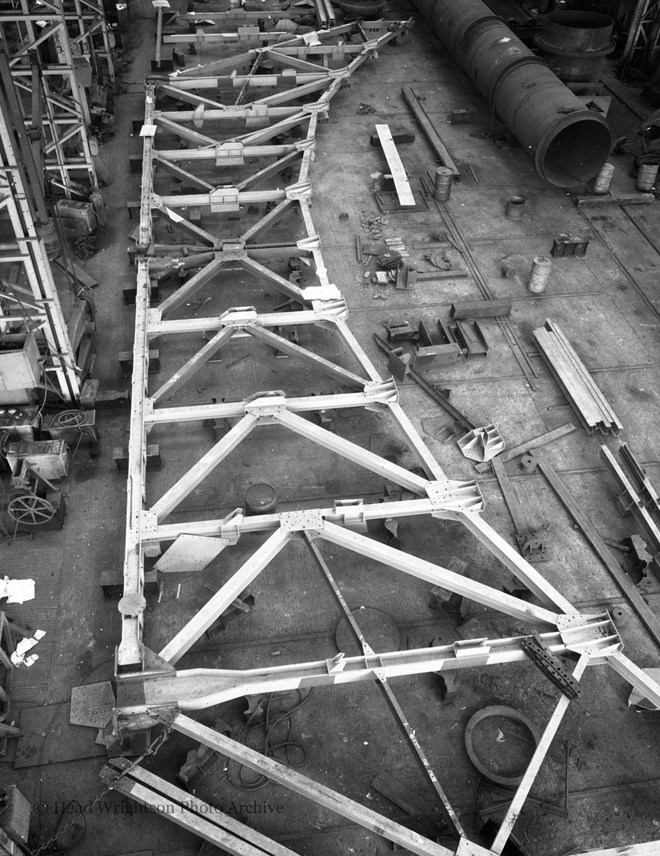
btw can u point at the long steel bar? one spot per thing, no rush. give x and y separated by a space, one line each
263 844
387 689
459 494
231 410
352 451
635 505
307 787
437 575
191 813
645 614
520 568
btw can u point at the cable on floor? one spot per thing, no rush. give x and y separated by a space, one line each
295 754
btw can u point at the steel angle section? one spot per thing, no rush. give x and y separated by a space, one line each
190 553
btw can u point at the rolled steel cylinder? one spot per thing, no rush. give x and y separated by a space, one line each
569 142
575 44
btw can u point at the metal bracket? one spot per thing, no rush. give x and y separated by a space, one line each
265 403
224 199
312 242
239 316
350 512
455 495
300 521
320 292
230 528
301 190
229 154
472 648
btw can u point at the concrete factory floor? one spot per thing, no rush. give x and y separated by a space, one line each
608 305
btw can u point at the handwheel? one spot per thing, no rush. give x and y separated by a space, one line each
31 509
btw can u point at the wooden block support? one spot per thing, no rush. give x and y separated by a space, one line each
130 293
112 582
126 361
120 457
481 309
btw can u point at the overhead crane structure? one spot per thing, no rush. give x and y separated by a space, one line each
32 299
48 55
54 53
215 164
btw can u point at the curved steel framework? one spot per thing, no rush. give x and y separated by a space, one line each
282 127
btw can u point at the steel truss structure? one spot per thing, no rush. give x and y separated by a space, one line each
641 49
36 305
191 234
246 26
53 54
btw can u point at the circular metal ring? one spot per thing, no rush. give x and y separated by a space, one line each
510 713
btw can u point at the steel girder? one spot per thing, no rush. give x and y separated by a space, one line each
150 689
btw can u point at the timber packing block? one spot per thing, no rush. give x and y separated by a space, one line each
400 135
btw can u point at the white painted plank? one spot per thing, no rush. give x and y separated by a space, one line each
403 189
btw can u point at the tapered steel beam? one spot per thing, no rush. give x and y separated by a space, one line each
198 689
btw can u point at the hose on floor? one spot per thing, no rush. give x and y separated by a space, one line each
261 736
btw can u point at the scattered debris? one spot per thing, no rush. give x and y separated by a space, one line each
17 591
19 655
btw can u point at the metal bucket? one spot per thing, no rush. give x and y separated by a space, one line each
539 274
442 183
515 206
603 180
646 176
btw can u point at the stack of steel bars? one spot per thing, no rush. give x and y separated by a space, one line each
576 383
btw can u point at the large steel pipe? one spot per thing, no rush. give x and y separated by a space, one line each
569 142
